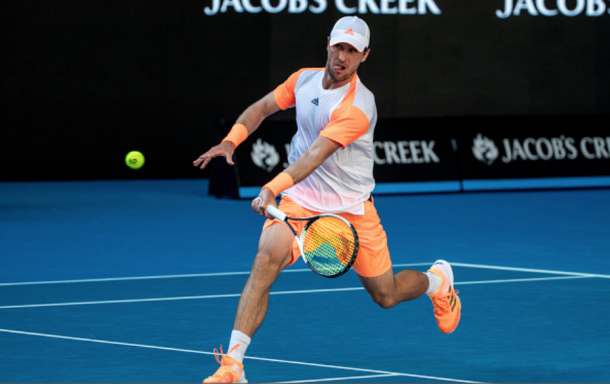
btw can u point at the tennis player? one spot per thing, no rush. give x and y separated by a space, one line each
330 171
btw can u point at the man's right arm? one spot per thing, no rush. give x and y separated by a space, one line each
251 119
254 115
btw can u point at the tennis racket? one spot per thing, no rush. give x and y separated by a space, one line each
328 243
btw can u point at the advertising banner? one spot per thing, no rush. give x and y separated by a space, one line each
418 156
410 157
495 158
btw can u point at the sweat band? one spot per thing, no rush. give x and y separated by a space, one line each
237 135
280 183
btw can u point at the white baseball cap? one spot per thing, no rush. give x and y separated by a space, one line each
352 30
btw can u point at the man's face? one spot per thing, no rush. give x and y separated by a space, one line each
343 61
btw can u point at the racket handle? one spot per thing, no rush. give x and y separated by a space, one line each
274 212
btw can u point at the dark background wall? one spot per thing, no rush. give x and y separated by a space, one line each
84 82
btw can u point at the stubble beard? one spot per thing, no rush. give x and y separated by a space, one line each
334 76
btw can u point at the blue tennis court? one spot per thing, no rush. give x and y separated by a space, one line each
138 281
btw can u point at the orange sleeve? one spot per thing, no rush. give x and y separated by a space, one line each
284 94
349 125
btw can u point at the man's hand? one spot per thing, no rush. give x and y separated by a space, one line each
259 204
225 149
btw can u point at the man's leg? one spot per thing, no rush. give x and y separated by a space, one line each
274 254
390 289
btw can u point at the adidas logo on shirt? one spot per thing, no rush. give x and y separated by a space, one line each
315 101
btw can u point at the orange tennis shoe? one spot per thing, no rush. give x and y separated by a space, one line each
230 371
447 305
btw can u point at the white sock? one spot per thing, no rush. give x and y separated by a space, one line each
435 283
243 340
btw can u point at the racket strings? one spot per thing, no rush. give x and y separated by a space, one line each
329 245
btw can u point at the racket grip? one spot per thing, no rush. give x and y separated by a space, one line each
274 212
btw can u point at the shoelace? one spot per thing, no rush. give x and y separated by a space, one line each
221 361
442 303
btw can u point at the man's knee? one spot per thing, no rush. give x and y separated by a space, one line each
266 261
383 300
274 249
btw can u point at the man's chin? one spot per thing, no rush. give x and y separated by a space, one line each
339 78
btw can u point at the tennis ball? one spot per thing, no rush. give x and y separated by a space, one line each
134 160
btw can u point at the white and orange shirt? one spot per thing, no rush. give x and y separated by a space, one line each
346 115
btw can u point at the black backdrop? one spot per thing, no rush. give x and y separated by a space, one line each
85 82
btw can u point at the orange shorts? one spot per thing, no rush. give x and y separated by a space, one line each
373 255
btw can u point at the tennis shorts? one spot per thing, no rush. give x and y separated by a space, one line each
373 255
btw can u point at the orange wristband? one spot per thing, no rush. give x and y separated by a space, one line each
237 135
280 183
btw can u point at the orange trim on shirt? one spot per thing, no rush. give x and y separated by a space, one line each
347 123
284 94
347 129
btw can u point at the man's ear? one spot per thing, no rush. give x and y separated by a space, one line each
367 51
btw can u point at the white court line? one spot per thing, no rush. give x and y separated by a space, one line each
271 293
137 278
175 298
337 379
247 357
522 280
169 276
482 266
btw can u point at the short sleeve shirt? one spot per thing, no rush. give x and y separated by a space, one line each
346 115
